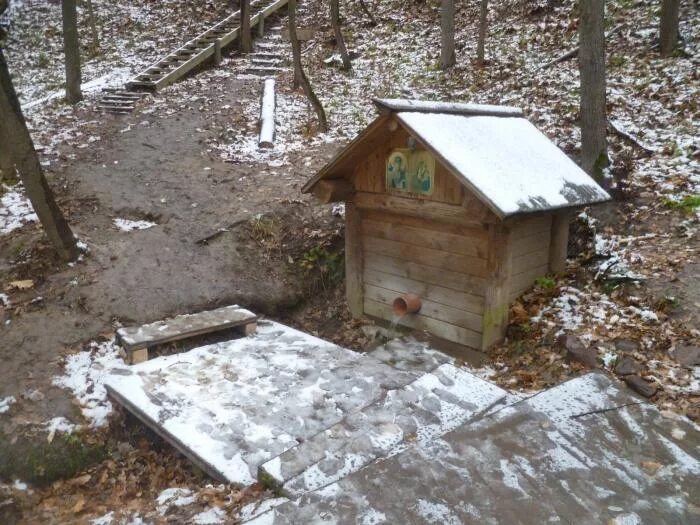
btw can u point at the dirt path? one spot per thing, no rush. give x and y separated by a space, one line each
159 170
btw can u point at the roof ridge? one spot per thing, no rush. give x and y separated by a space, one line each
389 105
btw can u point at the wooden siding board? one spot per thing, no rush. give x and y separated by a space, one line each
419 272
429 308
429 257
441 329
425 237
446 296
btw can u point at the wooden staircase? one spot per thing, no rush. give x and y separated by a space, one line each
192 54
201 48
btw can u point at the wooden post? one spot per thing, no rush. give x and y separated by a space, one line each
498 284
559 242
353 260
261 25
267 115
217 52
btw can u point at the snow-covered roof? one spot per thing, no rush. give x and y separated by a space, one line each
456 108
494 151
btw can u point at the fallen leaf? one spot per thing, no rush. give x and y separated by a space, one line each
22 285
650 467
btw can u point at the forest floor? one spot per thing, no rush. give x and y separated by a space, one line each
143 190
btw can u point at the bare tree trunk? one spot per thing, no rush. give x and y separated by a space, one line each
7 165
245 41
447 25
372 20
483 26
299 70
15 135
339 41
71 49
668 30
95 37
591 59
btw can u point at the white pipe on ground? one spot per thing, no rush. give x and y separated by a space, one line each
267 115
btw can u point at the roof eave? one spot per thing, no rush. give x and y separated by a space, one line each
342 154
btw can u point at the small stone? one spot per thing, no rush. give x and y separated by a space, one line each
688 356
626 345
627 366
576 351
639 385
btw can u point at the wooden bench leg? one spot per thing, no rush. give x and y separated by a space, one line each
139 355
248 329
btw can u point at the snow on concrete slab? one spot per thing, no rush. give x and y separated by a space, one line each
231 406
434 404
586 451
15 210
507 161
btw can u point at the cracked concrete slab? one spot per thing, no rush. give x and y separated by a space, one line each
232 406
586 451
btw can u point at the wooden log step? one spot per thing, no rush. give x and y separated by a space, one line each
264 62
267 56
110 109
137 339
264 70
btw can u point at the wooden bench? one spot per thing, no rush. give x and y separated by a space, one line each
136 340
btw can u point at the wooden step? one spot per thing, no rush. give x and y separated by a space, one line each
137 339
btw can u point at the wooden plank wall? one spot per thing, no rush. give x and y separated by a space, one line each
531 243
445 264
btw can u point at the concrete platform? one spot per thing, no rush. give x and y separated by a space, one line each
231 406
586 451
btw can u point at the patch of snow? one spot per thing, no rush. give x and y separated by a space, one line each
257 508
85 373
510 477
4 300
60 424
127 225
6 402
175 497
19 485
106 519
371 517
15 210
436 513
212 516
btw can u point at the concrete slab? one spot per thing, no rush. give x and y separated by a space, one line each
586 451
408 354
232 406
416 414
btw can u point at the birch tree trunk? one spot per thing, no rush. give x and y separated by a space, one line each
483 26
245 42
339 40
668 26
14 134
447 25
71 49
299 70
591 58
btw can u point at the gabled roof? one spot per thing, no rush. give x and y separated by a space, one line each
494 151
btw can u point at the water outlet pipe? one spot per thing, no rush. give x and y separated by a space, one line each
409 303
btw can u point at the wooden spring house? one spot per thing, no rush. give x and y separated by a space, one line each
464 205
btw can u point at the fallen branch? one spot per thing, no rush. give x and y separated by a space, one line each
649 150
574 52
219 231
